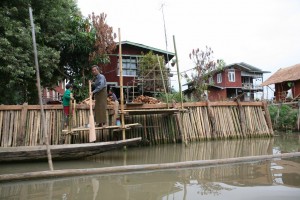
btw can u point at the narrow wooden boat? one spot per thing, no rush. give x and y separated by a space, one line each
60 152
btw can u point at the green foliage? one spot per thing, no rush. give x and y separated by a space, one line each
149 71
90 44
67 45
174 96
283 117
17 66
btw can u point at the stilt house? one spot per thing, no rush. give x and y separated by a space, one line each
285 79
233 81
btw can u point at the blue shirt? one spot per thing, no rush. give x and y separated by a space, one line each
100 83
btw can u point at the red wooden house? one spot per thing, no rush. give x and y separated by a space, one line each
233 81
53 95
285 79
131 53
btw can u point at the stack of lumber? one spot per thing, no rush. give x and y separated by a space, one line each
146 100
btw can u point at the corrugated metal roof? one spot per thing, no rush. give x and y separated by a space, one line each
147 47
291 73
247 67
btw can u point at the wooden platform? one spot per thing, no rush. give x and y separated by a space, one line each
127 126
151 111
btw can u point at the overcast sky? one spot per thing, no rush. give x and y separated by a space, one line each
262 33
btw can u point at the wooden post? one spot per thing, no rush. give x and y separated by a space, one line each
268 118
121 87
242 118
212 120
40 92
180 92
21 135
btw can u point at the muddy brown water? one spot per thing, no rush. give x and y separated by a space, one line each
271 179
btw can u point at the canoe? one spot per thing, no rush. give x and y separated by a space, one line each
60 152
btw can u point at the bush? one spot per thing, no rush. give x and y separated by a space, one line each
283 117
171 96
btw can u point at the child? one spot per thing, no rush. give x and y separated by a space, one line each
66 102
114 98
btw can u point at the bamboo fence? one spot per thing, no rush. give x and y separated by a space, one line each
20 125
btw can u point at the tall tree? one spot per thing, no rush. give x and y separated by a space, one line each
67 45
90 44
16 54
205 67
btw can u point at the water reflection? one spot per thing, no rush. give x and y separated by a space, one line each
276 179
204 150
180 184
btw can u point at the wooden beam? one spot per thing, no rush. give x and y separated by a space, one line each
126 126
151 111
141 168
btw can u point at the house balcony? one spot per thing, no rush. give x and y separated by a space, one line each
251 86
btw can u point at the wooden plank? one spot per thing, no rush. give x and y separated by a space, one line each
144 106
99 128
11 126
268 118
16 128
151 111
1 125
21 133
5 129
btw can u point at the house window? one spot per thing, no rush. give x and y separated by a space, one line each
231 75
219 78
211 80
129 65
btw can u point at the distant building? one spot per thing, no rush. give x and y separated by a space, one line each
232 82
53 95
285 79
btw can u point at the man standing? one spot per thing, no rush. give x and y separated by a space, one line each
100 95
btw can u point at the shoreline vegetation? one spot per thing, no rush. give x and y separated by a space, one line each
285 116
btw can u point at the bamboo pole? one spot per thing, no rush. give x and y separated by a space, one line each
40 92
141 168
268 118
242 118
163 80
121 88
180 92
212 120
178 73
